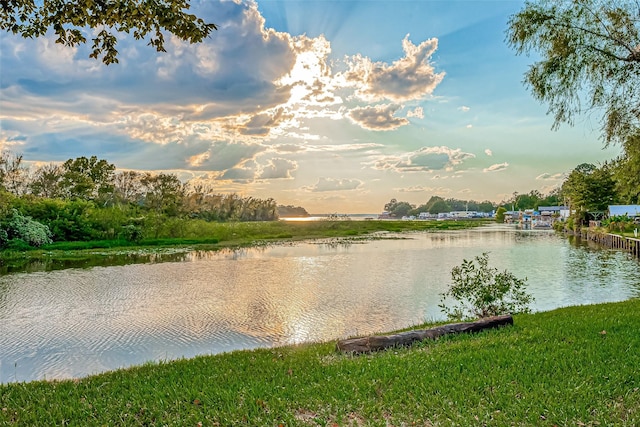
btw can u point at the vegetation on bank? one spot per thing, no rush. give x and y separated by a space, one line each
205 235
571 366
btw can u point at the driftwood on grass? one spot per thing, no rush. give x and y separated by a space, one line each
380 342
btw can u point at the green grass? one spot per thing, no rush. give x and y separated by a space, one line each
577 366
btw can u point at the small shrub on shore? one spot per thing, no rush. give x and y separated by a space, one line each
481 291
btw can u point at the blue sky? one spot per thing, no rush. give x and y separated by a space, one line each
334 105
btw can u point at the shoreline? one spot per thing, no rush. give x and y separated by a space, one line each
220 236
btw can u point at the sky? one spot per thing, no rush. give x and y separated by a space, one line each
334 105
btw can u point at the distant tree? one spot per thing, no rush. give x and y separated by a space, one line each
127 187
391 205
588 188
500 214
13 175
528 201
486 206
429 205
292 211
457 205
626 171
551 199
47 181
398 209
402 209
439 206
163 193
87 178
104 19
588 49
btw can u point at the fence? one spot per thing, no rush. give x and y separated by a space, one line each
613 241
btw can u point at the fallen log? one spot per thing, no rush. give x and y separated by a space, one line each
380 342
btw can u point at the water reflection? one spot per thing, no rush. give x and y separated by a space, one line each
74 322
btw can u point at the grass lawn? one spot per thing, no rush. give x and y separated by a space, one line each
576 366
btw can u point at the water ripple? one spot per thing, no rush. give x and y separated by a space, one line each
75 322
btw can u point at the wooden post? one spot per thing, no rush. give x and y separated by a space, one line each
380 342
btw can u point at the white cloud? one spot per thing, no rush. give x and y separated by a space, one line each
417 112
488 152
423 189
334 184
550 177
496 167
409 78
464 108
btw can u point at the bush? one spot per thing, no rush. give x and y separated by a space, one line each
131 233
31 232
17 245
569 224
4 237
481 291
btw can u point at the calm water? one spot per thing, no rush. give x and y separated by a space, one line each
75 322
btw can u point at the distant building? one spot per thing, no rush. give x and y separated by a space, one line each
561 211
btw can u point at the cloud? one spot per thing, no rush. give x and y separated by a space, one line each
496 167
223 155
310 78
409 78
417 112
261 124
424 159
334 184
278 168
378 117
422 189
464 108
239 174
550 177
488 152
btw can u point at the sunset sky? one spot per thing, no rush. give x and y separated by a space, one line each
336 106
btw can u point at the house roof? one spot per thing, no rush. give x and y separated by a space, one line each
628 210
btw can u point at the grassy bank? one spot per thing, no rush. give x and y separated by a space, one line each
576 366
202 235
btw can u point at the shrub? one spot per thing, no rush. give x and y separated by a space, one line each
131 233
4 237
481 291
26 229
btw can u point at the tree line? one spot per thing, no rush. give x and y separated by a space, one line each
86 199
436 204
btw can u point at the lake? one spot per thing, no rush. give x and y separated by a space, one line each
80 321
